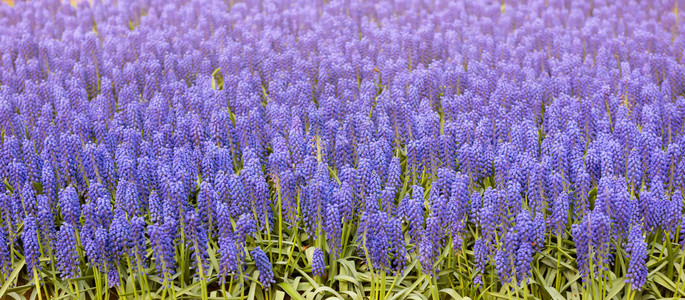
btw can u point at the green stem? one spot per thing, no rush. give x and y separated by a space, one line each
180 253
461 282
268 236
54 276
602 285
144 282
280 222
299 245
558 278
204 289
173 292
106 289
631 295
45 290
242 282
651 252
435 289
230 286
682 262
372 290
292 248
345 238
164 293
130 271
382 283
517 292
98 282
394 281
449 253
71 288
37 282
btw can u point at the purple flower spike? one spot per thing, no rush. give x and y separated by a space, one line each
266 275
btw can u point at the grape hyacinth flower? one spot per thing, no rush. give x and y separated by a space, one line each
333 229
529 241
412 211
636 248
480 251
318 264
246 226
65 252
196 240
163 250
430 244
29 239
70 206
592 238
230 256
559 215
266 275
5 258
137 250
381 241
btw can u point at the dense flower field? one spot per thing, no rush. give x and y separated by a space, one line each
410 149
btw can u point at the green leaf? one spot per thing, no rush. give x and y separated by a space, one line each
253 288
452 293
417 296
217 79
11 279
292 292
662 280
322 289
352 295
19 289
349 279
279 295
498 295
616 286
401 294
15 296
188 288
554 293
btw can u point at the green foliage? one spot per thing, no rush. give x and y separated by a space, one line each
555 276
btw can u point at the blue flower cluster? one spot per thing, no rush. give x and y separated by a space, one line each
130 129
